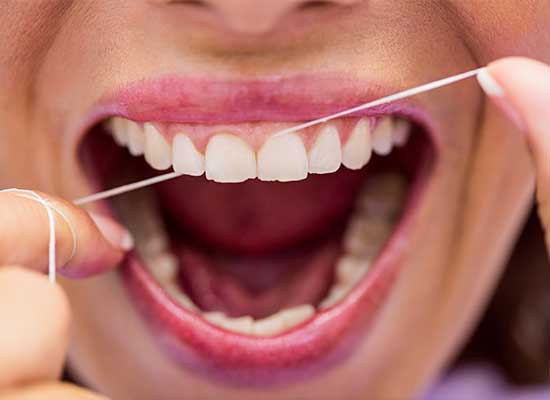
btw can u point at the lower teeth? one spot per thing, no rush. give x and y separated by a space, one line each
370 226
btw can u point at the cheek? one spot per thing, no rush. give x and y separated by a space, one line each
496 28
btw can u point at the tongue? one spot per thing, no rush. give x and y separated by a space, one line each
255 248
256 286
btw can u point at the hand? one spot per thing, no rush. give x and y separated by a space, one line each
521 89
34 314
86 244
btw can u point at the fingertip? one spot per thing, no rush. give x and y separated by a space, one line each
115 233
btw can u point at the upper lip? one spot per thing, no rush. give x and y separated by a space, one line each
206 100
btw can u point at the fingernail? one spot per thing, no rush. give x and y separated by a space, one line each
113 232
492 88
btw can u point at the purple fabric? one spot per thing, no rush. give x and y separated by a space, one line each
483 383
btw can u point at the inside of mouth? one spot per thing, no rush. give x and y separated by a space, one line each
253 250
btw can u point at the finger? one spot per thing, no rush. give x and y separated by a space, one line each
49 391
35 325
84 246
521 88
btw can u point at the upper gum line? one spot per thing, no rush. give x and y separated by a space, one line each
234 153
254 134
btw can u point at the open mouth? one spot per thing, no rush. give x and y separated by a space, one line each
270 257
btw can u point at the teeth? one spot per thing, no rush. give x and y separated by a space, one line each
158 152
175 292
187 160
240 325
350 270
136 139
229 159
164 267
119 128
336 294
358 149
401 132
383 196
382 137
326 154
283 158
272 325
283 320
365 237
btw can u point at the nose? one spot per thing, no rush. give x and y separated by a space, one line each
260 16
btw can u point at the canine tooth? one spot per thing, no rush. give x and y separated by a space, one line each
185 157
382 137
358 149
336 294
283 158
283 320
158 151
175 292
229 159
119 130
350 270
326 154
401 132
136 138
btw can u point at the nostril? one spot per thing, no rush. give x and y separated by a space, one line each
193 3
196 3
314 4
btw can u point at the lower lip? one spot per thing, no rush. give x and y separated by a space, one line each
311 348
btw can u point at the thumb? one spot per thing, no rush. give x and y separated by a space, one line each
521 88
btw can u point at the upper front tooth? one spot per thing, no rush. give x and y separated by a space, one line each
382 137
136 138
283 158
358 149
326 154
187 160
401 132
158 152
229 159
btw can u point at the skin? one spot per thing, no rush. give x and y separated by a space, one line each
62 56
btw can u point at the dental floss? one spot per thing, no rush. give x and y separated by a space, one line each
126 188
384 100
50 208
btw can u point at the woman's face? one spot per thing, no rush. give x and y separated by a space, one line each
247 68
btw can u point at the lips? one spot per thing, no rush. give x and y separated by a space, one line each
259 282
